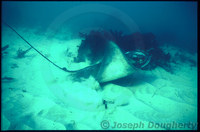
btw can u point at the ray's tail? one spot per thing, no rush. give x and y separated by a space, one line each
64 69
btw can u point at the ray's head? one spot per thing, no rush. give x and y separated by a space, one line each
138 58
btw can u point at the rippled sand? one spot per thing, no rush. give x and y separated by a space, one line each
42 97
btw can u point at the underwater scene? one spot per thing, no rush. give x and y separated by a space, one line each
99 65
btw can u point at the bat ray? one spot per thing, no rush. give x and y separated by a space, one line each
113 65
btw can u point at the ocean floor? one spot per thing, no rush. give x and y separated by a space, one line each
36 95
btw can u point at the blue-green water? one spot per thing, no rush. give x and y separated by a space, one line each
36 95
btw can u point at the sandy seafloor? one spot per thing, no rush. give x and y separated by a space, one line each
43 97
